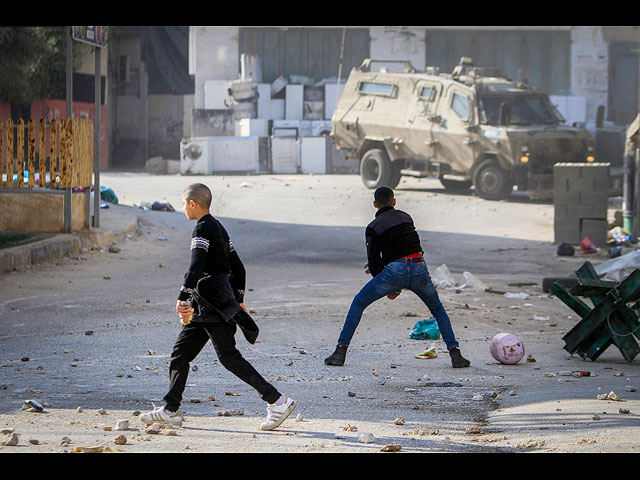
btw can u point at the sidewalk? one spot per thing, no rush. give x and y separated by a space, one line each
116 222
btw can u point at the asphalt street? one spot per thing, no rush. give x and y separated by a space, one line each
96 330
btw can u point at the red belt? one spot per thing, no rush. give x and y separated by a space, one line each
414 255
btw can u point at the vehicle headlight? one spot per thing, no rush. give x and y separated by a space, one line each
591 157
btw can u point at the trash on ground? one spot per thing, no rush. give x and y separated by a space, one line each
426 329
391 448
32 406
617 269
162 206
366 437
521 296
108 195
430 352
566 249
506 348
587 246
442 277
473 282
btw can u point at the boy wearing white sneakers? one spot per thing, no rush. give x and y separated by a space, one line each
214 318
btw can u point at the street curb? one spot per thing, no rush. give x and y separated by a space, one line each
63 245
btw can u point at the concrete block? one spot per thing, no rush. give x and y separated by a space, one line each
602 184
593 198
567 170
569 236
566 198
580 184
594 170
587 211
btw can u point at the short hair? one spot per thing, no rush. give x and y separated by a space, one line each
383 196
199 193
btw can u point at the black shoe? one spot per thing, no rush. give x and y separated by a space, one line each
337 357
457 360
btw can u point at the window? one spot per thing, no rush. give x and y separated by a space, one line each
371 88
460 105
427 93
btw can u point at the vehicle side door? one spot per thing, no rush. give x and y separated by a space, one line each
454 140
421 116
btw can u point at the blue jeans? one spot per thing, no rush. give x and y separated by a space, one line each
394 277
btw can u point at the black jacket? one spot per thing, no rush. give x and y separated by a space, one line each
215 281
391 235
212 252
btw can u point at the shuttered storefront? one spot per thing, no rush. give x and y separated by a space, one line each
312 51
542 56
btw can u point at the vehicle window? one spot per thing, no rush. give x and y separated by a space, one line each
372 88
460 105
426 93
525 109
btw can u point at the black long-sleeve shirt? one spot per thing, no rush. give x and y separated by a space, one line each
391 235
212 252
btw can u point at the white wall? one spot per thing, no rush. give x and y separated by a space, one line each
213 55
399 43
589 67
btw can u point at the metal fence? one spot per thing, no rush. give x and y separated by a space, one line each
57 154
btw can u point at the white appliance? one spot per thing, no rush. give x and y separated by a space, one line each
331 96
294 103
321 127
239 154
267 107
253 127
284 154
196 156
216 95
314 154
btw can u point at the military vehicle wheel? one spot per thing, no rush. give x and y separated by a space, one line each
455 185
491 181
376 168
395 175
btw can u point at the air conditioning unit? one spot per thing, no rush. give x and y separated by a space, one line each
196 156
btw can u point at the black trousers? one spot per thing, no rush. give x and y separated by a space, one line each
190 343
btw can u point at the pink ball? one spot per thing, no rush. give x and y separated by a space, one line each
507 348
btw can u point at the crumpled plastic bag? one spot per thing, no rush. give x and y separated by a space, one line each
473 282
617 269
425 330
442 277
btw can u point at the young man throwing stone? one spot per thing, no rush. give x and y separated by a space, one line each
396 262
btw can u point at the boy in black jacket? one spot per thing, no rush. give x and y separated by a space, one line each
395 261
212 257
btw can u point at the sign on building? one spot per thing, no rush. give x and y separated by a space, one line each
92 35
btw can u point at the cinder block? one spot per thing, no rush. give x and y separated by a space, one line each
594 198
566 198
581 184
595 229
569 236
602 184
567 170
566 223
594 170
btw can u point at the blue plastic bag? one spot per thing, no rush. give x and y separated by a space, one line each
425 330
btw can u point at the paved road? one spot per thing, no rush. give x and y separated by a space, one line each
97 330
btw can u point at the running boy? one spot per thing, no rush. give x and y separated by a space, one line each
212 253
395 260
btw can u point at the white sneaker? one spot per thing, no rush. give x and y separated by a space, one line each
276 414
160 415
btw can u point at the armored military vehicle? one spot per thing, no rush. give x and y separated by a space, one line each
472 127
